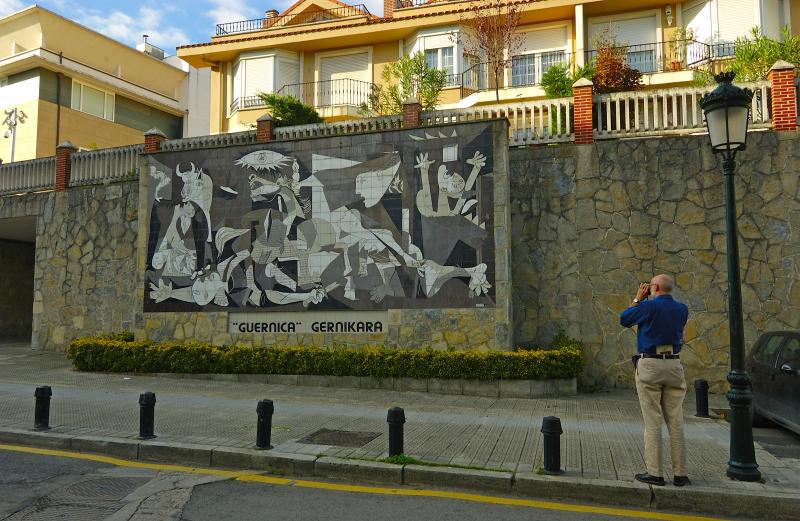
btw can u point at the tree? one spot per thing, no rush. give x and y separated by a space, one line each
409 77
611 70
491 35
288 110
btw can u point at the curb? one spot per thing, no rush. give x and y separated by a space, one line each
753 503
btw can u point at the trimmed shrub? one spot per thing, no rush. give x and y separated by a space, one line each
105 353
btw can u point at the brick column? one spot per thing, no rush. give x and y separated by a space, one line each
64 164
582 96
265 128
784 102
388 8
153 139
412 113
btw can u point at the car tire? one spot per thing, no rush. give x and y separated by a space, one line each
761 421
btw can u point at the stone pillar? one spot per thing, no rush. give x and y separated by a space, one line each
784 102
582 96
412 113
388 8
265 128
64 165
153 139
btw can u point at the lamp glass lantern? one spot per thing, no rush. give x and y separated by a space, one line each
727 111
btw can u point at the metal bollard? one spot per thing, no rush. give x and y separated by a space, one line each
265 408
41 417
396 417
551 429
701 398
147 405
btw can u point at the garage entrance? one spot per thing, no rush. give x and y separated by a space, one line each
17 261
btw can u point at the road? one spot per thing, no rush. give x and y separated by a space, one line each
36 485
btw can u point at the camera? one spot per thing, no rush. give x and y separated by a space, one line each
648 289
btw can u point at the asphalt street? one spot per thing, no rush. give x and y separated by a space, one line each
38 487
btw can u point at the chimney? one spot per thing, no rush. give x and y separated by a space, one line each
388 8
270 13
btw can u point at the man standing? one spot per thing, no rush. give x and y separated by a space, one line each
659 374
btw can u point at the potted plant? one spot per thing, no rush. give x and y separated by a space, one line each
678 47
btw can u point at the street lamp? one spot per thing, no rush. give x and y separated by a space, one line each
727 111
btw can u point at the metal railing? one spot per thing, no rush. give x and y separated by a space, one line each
520 71
331 93
543 121
402 4
292 19
105 165
666 111
674 55
247 102
28 176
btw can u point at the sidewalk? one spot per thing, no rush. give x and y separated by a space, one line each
602 442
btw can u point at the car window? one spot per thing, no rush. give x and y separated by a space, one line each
767 353
790 354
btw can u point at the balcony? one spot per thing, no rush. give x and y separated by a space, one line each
680 55
523 70
342 92
293 19
402 4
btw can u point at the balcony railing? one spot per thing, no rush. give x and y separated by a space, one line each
402 4
675 55
247 102
292 19
331 93
520 71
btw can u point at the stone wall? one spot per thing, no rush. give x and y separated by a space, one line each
85 269
16 290
589 222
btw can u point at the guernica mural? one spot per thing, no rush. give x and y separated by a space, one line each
399 219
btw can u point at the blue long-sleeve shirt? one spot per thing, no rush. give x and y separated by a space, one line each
661 322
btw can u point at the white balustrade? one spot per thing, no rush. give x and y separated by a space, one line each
105 165
342 127
246 137
531 122
666 111
28 176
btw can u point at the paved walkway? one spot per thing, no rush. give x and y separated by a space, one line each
602 431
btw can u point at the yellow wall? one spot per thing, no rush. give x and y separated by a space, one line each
22 30
794 7
83 130
382 55
25 147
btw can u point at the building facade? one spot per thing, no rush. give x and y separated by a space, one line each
60 81
331 54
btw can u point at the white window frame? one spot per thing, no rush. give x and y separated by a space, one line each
539 27
106 94
645 13
341 52
418 43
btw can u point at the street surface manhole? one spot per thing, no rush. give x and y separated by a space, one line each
113 489
340 438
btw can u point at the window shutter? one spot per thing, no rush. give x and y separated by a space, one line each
736 18
288 72
257 76
697 17
350 66
546 39
634 31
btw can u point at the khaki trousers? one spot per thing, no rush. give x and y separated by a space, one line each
661 387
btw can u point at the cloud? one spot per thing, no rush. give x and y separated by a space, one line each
129 29
10 6
224 11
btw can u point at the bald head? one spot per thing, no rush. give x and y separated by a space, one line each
662 284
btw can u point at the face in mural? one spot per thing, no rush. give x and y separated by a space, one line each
403 220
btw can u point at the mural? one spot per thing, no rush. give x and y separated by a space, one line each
398 219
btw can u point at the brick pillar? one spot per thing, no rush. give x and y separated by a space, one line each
784 102
412 113
153 139
582 96
388 8
64 164
265 128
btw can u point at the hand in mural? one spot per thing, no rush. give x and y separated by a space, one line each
161 292
478 160
423 163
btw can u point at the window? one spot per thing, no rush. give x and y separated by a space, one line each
790 354
553 58
92 101
472 72
766 354
523 70
442 58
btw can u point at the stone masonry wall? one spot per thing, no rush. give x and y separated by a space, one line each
589 222
16 290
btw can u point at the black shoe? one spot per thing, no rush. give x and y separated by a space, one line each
680 481
650 480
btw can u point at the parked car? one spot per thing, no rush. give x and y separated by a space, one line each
774 365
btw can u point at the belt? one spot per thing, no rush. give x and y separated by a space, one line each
663 357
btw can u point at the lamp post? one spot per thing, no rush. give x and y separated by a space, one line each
13 118
727 111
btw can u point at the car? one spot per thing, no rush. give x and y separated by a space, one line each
774 365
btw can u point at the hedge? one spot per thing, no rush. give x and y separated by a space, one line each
118 353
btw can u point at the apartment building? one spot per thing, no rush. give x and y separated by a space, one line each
60 81
331 54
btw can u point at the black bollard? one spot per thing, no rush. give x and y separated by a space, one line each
396 417
701 398
41 417
551 430
147 406
265 408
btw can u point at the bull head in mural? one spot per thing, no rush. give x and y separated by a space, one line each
198 188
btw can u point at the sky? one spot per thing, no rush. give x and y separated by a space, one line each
168 24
